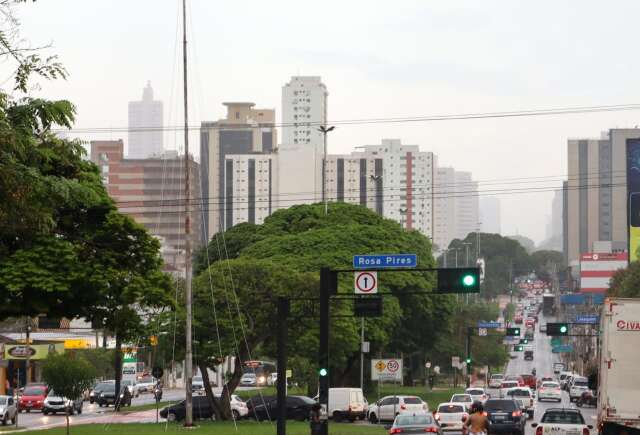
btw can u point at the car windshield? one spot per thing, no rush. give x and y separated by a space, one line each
197 379
581 383
413 400
248 375
109 388
562 417
550 385
3 400
500 405
413 420
461 398
519 393
33 391
509 384
497 377
475 392
127 382
146 379
450 409
101 386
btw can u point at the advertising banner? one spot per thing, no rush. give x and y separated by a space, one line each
34 351
633 199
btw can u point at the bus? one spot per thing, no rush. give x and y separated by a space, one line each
264 371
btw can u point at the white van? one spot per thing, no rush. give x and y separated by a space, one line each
346 404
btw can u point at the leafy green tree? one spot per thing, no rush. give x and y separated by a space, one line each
69 376
626 282
545 263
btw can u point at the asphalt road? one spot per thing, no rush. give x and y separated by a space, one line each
543 363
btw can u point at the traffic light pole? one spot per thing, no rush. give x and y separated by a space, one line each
323 357
283 313
468 355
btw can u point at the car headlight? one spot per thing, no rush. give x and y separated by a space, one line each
101 394
121 396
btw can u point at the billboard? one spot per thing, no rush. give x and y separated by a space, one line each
597 269
33 351
633 198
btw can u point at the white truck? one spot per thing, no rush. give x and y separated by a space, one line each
619 380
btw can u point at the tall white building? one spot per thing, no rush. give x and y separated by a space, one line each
393 179
145 126
304 108
490 215
467 209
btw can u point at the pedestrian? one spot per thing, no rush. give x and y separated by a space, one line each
477 423
315 424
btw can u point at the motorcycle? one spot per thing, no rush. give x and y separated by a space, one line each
157 393
587 398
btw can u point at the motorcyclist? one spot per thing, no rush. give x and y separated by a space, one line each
477 423
533 372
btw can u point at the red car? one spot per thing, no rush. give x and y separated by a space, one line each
32 398
530 322
518 320
518 379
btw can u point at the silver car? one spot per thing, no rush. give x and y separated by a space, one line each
8 410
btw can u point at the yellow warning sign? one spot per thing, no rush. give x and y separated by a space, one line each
380 366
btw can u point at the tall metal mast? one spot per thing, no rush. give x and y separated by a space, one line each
188 421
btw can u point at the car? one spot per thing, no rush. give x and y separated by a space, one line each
542 327
525 396
272 379
496 380
562 421
477 394
297 408
563 377
238 406
146 384
550 390
506 385
451 416
388 407
131 386
32 398
462 398
415 423
177 412
505 415
249 380
108 396
530 322
529 335
518 320
529 381
546 379
8 410
578 386
197 385
55 403
528 355
97 389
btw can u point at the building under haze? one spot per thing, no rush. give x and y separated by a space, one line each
304 108
151 191
490 215
145 126
237 179
467 217
596 193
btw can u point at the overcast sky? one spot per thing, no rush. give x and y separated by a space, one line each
378 59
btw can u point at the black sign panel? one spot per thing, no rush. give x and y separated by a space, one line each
368 306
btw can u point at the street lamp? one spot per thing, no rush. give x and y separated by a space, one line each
324 130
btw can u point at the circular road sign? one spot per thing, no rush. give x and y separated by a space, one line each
393 365
366 282
157 372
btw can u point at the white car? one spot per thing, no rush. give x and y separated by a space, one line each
562 421
526 397
506 386
387 408
477 394
496 380
249 380
466 399
8 410
550 391
131 386
272 379
578 386
451 416
145 384
238 406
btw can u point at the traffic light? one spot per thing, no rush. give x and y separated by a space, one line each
468 360
323 372
513 332
518 348
557 329
459 280
524 341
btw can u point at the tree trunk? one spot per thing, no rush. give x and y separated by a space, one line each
231 385
213 402
344 374
118 368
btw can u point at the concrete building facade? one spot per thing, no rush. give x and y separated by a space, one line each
152 192
304 108
245 131
596 193
145 126
466 204
490 215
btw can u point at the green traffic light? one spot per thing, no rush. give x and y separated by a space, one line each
323 372
468 280
564 329
468 360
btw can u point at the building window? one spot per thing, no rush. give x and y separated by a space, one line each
237 115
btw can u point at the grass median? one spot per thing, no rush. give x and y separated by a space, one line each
244 428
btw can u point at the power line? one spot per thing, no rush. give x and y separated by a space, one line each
367 121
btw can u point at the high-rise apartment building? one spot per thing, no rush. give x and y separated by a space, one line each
490 215
596 193
356 179
467 207
233 162
304 108
145 126
152 192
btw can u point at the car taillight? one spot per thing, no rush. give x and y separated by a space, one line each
436 416
585 431
517 413
395 430
403 407
431 429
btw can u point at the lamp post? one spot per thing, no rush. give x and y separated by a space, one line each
324 130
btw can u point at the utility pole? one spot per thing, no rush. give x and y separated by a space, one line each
362 353
324 130
281 382
27 363
188 366
446 254
466 245
468 355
